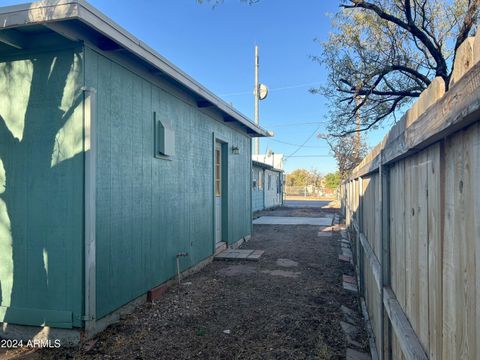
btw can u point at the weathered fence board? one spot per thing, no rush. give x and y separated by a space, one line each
434 250
426 260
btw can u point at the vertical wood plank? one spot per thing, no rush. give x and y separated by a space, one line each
385 255
461 252
435 240
398 233
449 257
422 246
469 192
361 259
475 171
411 231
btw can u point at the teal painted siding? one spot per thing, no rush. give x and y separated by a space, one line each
257 200
266 197
149 209
257 193
41 188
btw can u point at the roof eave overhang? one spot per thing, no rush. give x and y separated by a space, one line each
265 166
53 11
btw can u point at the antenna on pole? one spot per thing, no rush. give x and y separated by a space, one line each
260 92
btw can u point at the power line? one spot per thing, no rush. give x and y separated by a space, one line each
290 144
309 156
296 124
301 146
288 87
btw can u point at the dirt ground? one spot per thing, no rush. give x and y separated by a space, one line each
285 306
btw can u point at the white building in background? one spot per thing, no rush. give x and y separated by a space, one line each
267 186
274 160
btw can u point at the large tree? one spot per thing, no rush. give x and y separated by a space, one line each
332 180
382 54
298 177
348 151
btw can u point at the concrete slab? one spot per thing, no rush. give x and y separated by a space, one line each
357 355
349 279
243 255
345 258
283 273
239 254
286 263
350 287
352 342
349 329
253 257
236 270
349 315
324 234
347 252
305 203
256 255
258 252
293 220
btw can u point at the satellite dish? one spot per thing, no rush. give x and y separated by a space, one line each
262 92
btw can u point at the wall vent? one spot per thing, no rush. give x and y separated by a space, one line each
164 138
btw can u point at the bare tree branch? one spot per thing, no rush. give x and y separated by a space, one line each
386 53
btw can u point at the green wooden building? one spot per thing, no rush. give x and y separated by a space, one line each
267 186
112 162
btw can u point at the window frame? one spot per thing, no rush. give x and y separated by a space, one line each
218 172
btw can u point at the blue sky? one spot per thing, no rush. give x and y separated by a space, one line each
216 47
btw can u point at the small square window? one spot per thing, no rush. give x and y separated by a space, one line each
260 180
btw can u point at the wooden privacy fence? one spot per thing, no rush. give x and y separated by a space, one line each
413 209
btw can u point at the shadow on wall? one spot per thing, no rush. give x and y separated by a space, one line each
41 126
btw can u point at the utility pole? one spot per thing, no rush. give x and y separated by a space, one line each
260 92
256 141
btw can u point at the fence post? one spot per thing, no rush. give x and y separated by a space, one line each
360 259
385 329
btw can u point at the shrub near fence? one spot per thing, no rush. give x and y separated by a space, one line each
413 209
